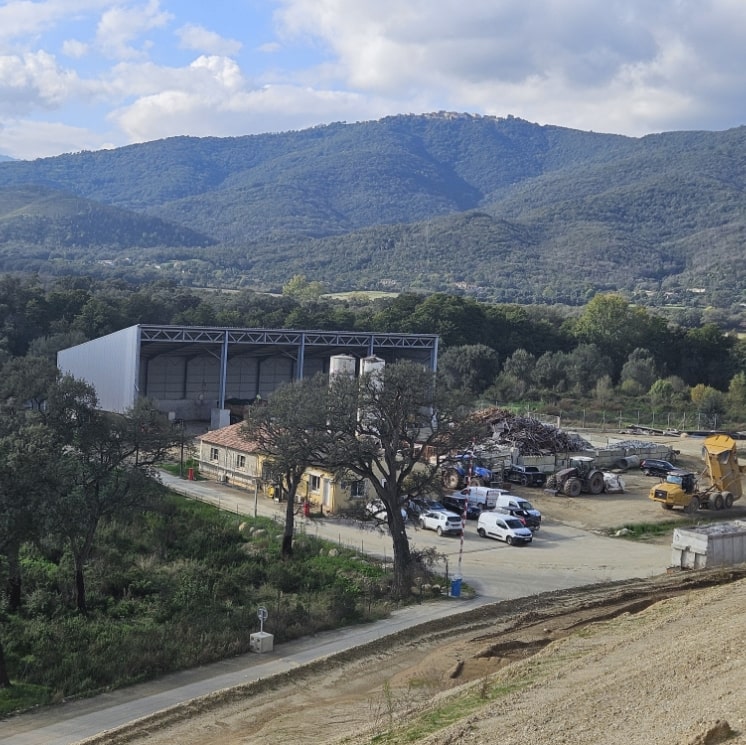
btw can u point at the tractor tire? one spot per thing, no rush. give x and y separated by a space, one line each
451 479
573 486
727 500
551 482
718 502
596 482
693 506
477 481
666 506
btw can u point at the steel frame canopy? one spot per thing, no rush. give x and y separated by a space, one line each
164 362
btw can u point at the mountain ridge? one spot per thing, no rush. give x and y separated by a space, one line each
499 208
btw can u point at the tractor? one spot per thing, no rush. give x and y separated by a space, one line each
463 470
580 476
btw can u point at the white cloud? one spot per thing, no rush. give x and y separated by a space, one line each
201 39
28 139
119 27
628 66
74 48
23 18
606 63
33 80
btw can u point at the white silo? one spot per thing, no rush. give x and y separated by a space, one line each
342 364
372 365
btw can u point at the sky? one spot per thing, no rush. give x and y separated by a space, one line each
91 74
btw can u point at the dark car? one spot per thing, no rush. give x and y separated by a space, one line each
524 475
457 504
655 467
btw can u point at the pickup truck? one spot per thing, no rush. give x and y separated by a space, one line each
524 475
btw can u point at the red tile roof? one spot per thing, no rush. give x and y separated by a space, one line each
229 437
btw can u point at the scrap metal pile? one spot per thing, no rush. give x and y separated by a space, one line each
529 435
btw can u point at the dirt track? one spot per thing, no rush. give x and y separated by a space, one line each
649 661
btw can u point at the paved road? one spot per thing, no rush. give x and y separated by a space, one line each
560 557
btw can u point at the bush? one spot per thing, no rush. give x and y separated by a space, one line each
172 589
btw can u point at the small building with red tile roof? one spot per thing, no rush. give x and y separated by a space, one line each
225 455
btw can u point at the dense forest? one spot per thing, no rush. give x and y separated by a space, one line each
498 209
608 355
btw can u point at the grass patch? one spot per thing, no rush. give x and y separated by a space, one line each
643 531
22 696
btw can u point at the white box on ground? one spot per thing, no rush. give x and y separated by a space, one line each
261 642
719 544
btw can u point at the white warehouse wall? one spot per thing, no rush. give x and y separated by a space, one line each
109 364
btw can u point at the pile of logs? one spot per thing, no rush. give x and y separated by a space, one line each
529 435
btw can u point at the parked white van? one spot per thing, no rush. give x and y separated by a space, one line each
481 497
511 502
503 528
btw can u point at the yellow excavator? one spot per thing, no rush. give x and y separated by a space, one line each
682 489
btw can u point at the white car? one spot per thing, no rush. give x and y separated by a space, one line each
441 521
504 528
375 508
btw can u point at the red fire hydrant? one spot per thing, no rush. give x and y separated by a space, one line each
306 508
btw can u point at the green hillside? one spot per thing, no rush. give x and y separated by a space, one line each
500 209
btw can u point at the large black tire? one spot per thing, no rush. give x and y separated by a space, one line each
477 481
727 500
551 482
718 502
451 479
693 506
572 487
524 480
666 506
596 483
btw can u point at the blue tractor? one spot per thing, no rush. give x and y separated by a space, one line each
465 470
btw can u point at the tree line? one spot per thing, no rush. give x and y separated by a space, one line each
503 352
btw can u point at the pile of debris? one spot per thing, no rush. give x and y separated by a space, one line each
529 435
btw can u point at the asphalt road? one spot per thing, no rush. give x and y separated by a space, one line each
560 557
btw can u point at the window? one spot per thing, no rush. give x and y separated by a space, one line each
213 453
314 482
357 489
241 461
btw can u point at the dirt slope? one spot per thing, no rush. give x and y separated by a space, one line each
644 661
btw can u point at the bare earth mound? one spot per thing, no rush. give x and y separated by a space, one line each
655 661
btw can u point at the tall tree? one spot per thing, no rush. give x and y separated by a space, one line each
290 431
470 367
393 427
28 473
107 464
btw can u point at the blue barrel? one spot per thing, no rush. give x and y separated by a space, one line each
456 587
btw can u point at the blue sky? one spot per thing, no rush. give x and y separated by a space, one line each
89 74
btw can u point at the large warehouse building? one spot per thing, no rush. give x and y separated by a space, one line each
197 373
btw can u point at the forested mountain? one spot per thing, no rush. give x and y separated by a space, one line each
500 209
